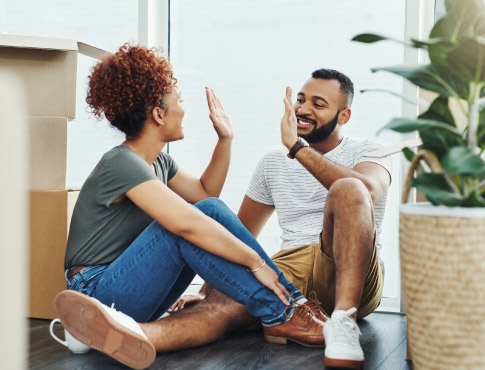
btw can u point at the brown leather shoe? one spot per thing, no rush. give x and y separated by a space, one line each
302 328
316 307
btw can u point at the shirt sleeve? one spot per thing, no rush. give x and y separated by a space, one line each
119 173
258 189
170 165
367 147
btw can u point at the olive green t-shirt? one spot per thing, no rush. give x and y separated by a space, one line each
100 229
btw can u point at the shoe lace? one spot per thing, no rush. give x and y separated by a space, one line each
315 305
304 312
115 313
344 328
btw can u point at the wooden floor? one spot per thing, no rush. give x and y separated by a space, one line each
383 341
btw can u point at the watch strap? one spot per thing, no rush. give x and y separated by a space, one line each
300 143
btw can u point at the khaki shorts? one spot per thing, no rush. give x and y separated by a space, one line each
309 269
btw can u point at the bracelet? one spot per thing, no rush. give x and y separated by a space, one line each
258 268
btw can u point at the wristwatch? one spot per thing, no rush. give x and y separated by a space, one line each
300 143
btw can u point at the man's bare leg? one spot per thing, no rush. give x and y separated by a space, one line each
347 237
199 324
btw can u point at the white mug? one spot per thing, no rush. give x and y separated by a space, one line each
72 343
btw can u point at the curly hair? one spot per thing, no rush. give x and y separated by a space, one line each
127 85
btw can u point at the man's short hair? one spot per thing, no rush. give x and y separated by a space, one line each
346 85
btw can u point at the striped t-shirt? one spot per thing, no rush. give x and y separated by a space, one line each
299 198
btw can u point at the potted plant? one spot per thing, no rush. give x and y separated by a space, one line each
442 243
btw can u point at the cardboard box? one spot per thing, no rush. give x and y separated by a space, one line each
50 217
48 67
48 153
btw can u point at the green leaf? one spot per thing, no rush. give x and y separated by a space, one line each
437 136
481 127
468 59
438 78
408 153
475 199
462 161
404 125
369 38
410 99
439 110
438 42
437 189
437 53
464 18
438 141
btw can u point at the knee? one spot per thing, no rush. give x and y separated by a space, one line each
349 192
210 204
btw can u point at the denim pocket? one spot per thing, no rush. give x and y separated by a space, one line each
85 280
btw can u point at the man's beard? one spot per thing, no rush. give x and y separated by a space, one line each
320 134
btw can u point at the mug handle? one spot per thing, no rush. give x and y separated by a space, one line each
51 329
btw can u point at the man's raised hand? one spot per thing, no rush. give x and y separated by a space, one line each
289 135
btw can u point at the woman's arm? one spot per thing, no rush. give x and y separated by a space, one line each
212 180
180 218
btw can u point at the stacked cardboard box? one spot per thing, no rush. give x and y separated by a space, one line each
48 68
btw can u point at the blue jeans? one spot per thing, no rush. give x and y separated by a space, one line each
158 266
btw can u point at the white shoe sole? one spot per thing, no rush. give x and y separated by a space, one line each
88 322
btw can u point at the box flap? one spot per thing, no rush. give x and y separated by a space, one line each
50 43
395 148
92 51
34 42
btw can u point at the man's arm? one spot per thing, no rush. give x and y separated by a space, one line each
254 215
375 177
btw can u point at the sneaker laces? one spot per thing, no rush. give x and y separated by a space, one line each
345 329
115 313
123 319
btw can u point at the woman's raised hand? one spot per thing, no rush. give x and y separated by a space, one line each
267 276
220 119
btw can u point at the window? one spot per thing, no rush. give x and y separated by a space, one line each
249 51
104 24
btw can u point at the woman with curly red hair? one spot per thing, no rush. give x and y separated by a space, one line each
136 241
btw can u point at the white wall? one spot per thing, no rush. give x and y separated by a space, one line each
250 50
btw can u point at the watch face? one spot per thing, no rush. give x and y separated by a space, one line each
304 142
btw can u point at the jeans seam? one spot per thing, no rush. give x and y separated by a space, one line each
221 275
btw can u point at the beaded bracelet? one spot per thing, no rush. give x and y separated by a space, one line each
258 268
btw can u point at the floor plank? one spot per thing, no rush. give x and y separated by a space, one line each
383 341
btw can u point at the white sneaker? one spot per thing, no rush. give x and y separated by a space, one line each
104 329
342 341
